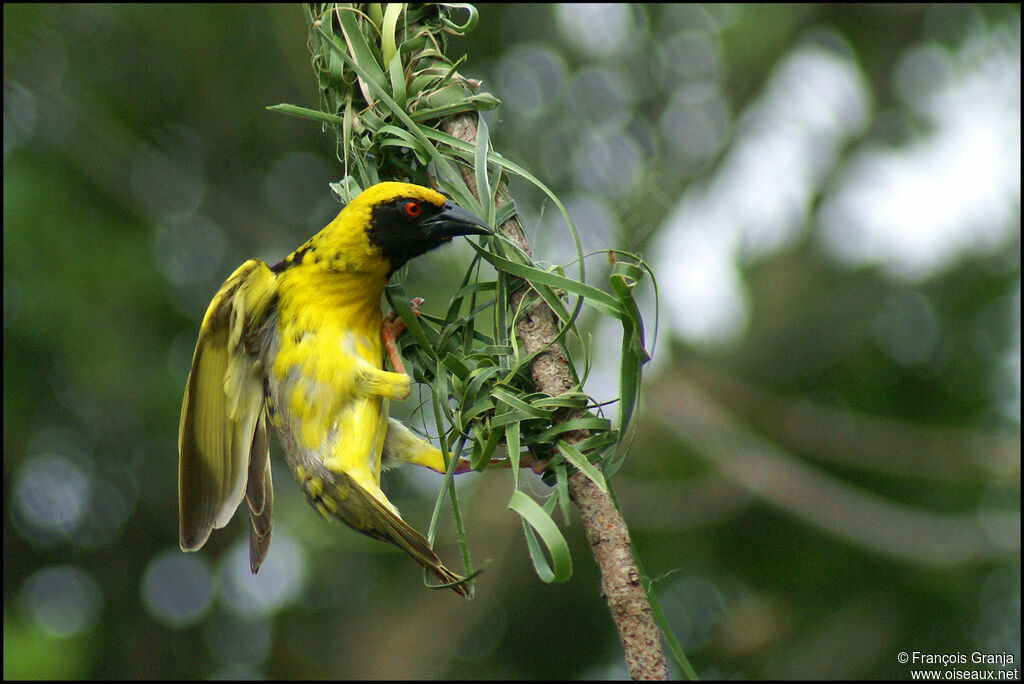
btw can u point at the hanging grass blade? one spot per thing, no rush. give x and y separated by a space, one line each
369 70
537 522
471 20
397 80
388 26
304 113
577 459
483 186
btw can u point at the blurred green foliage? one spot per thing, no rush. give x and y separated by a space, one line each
876 398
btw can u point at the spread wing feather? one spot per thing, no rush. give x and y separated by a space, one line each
222 434
259 496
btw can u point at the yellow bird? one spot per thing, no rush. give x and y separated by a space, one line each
299 345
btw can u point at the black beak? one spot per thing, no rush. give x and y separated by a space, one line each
453 220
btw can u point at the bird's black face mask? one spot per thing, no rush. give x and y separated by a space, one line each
405 228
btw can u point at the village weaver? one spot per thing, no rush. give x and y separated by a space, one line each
298 345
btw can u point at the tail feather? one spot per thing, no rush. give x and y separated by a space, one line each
336 495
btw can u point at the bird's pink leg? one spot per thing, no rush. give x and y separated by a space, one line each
393 327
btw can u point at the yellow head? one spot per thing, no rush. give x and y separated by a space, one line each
382 228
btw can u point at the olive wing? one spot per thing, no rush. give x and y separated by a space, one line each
221 434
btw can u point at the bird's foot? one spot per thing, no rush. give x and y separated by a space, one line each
393 327
525 461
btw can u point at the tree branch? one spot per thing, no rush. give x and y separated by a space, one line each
605 528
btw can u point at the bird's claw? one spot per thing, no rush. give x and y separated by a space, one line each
392 328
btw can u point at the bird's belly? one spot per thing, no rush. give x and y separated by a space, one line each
322 412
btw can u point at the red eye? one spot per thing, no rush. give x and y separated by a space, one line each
412 209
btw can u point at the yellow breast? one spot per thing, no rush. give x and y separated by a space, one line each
328 333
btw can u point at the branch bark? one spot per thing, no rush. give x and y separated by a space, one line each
605 528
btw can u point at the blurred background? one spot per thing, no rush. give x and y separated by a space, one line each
827 468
